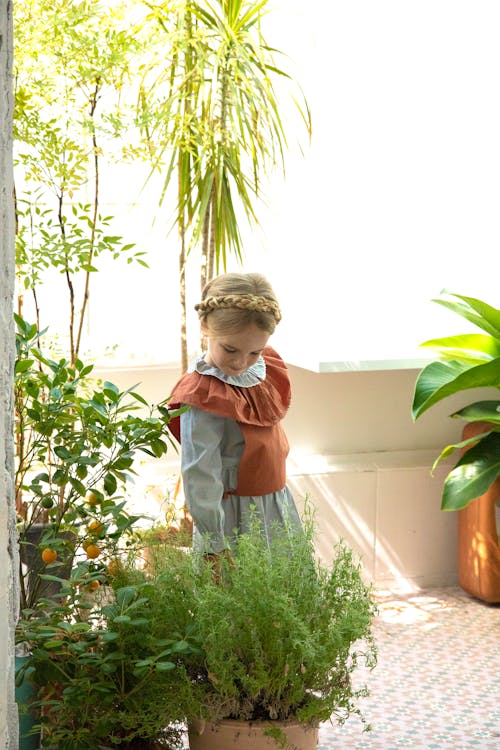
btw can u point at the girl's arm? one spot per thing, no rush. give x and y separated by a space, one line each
201 466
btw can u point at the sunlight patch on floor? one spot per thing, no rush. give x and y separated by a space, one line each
410 609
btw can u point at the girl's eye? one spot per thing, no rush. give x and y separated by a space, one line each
229 350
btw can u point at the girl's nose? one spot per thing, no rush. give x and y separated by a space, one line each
239 363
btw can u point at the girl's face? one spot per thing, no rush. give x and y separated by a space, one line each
233 353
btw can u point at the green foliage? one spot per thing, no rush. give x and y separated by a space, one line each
278 637
192 88
466 361
211 121
221 129
282 634
75 436
115 678
73 67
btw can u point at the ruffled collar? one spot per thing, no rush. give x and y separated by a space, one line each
254 375
261 406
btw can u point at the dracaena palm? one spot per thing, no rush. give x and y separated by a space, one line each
466 361
220 124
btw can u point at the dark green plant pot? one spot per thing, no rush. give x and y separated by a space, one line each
25 694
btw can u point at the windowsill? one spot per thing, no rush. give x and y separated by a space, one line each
371 365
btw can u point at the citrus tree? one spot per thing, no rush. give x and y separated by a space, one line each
74 66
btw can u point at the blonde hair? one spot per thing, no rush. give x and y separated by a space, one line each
232 301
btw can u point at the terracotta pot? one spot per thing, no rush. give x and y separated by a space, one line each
240 735
478 547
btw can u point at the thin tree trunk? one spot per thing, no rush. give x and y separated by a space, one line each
211 245
204 251
86 291
69 281
182 295
204 263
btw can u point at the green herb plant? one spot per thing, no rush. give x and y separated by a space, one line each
283 633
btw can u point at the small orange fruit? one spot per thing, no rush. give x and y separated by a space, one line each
49 555
113 567
92 498
93 585
95 527
92 551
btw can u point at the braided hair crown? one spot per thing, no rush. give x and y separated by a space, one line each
241 302
251 292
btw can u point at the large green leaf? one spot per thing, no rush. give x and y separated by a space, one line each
449 449
474 473
441 379
474 348
479 313
481 411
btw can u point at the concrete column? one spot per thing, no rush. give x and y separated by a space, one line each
9 596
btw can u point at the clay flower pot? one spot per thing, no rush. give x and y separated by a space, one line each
478 543
240 735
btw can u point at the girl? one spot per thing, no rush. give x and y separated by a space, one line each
233 446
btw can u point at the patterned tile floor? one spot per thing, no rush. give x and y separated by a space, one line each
437 682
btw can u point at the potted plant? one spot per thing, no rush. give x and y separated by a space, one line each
268 650
278 636
472 487
109 679
77 444
77 441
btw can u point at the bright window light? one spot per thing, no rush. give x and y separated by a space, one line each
396 198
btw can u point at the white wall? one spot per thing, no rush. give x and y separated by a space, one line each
9 595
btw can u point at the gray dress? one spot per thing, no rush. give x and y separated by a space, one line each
211 450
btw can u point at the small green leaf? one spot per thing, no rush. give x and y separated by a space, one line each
481 411
125 595
78 486
110 636
23 364
110 484
60 477
122 619
164 666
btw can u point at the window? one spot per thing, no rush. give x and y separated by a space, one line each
397 197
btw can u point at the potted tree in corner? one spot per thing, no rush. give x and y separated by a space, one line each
472 487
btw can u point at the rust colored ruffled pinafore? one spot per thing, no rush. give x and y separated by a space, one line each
257 409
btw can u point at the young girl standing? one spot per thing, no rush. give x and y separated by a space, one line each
233 448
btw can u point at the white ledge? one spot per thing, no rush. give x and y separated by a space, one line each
359 462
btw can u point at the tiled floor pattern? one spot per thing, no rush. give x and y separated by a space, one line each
437 682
